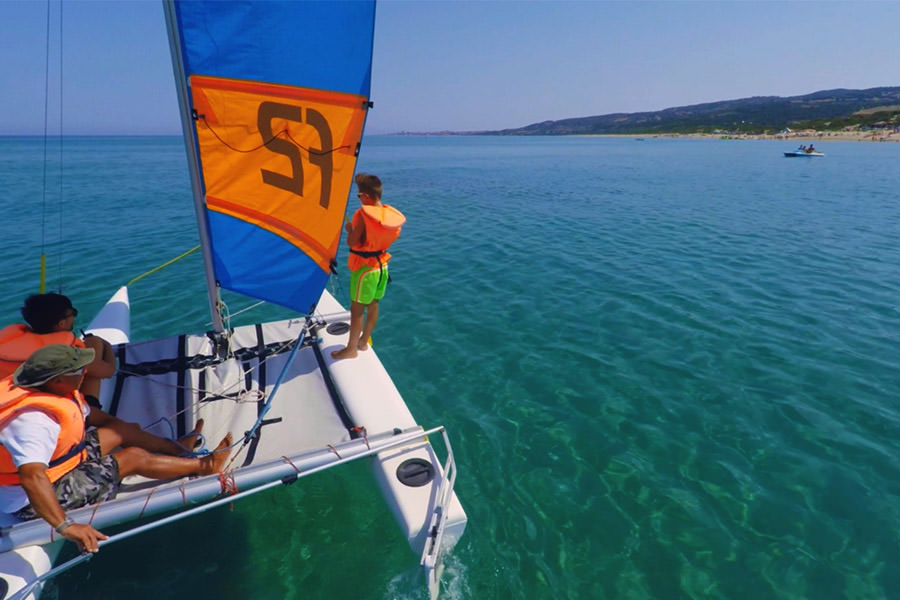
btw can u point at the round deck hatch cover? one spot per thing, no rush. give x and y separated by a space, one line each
415 472
338 328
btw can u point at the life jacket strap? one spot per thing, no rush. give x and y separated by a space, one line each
75 450
367 253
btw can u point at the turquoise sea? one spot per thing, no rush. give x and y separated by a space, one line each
669 368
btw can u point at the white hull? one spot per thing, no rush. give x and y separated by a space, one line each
21 566
800 153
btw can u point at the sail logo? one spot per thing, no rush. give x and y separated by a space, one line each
321 157
279 157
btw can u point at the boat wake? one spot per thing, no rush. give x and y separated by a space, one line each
454 582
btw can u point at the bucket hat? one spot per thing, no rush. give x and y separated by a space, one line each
49 362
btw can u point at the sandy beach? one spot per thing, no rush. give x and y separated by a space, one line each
800 137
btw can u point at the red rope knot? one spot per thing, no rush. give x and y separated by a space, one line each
361 432
229 486
336 453
288 461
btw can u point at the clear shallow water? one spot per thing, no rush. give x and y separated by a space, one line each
669 368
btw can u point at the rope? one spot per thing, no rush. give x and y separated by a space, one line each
44 188
290 462
284 131
165 264
146 503
96 508
243 310
59 212
227 483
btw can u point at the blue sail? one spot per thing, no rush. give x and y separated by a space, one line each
277 94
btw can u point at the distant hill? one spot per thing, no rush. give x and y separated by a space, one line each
829 109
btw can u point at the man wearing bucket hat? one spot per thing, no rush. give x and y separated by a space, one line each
58 453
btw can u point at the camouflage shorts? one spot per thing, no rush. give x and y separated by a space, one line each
94 480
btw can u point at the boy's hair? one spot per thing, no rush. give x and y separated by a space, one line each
43 311
369 185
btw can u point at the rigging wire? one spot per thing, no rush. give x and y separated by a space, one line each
61 155
241 311
44 187
46 143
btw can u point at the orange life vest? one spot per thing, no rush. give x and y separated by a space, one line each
18 342
65 410
383 225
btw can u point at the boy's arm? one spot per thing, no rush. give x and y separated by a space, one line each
356 231
104 363
99 418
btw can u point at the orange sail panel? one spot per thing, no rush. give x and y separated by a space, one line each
279 157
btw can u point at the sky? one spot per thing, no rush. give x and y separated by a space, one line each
469 65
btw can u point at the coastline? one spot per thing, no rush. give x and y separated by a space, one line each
801 137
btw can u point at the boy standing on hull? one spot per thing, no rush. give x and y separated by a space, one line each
370 232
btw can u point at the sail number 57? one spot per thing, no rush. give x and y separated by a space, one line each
318 157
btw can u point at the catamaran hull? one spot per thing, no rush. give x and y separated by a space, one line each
21 566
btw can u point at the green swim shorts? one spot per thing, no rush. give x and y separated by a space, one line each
368 284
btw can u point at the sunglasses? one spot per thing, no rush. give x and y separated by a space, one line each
72 378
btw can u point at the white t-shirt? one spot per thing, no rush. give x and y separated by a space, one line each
29 438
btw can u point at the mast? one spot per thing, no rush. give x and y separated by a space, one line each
190 142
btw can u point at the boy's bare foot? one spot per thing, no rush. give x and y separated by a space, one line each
347 352
215 461
192 440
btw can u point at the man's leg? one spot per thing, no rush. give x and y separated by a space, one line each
137 461
115 432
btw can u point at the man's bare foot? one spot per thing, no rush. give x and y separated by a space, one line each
362 346
215 461
192 440
347 352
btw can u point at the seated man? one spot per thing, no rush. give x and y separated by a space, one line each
51 320
56 454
